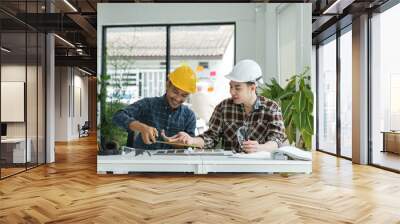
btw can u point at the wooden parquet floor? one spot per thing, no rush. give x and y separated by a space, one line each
70 191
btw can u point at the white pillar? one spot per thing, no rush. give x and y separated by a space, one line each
50 100
360 90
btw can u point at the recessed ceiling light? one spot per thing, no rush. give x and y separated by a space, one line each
337 7
84 71
70 5
64 40
5 50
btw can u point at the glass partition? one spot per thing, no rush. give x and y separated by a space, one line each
14 151
22 90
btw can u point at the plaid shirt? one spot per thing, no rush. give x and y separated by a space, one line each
265 123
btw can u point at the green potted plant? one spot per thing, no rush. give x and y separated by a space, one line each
111 137
296 100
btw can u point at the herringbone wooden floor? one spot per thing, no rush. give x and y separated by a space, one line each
70 191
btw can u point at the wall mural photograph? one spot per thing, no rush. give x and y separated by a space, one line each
231 92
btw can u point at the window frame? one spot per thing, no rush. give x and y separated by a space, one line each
168 34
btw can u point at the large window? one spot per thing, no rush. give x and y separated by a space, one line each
138 58
136 62
335 108
385 88
346 93
210 51
327 96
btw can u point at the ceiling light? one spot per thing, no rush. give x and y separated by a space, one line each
84 71
5 50
64 40
338 6
331 7
70 5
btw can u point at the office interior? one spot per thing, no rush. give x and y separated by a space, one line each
49 71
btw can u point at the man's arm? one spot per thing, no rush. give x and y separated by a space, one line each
254 146
128 118
124 117
209 138
276 126
190 126
275 135
149 134
185 138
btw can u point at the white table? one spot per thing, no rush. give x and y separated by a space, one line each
18 150
197 164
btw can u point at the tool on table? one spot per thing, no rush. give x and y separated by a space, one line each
177 144
242 135
139 152
126 149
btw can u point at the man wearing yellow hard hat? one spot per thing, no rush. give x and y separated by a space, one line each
164 115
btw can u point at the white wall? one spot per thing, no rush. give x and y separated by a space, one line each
12 73
80 84
256 28
61 103
294 38
271 42
288 40
68 82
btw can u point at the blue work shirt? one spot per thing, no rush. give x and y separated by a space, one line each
157 113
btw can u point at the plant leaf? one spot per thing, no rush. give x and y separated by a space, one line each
291 132
307 138
300 102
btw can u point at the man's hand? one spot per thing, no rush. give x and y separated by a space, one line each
250 146
149 134
254 146
181 137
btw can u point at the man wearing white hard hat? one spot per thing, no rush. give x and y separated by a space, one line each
246 122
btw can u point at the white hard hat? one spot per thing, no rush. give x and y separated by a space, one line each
245 71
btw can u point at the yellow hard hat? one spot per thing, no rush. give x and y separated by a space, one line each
184 78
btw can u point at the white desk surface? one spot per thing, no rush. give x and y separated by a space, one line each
198 164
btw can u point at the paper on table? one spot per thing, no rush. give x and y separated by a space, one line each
282 153
254 155
293 153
